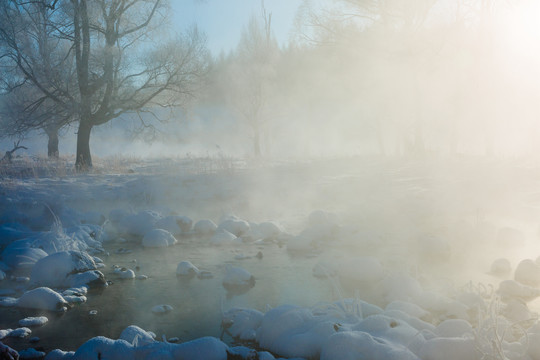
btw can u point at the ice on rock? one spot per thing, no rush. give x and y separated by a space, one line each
501 267
352 345
158 238
186 268
33 321
242 323
10 232
234 225
43 298
16 333
204 227
237 278
137 336
528 273
66 269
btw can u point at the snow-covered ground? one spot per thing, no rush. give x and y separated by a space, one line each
331 259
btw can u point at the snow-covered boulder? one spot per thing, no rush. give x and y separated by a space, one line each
511 289
186 268
103 348
137 336
63 269
237 278
158 238
208 348
291 331
204 227
162 309
139 224
124 273
223 237
528 273
352 345
43 298
267 230
33 321
242 323
234 225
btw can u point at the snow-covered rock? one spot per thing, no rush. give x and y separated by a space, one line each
66 269
33 321
124 273
511 289
137 336
440 348
234 225
291 331
237 278
223 237
242 323
139 224
352 345
454 328
43 298
528 273
186 268
204 227
158 238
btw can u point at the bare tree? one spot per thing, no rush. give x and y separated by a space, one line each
119 66
251 76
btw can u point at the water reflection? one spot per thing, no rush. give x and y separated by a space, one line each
197 302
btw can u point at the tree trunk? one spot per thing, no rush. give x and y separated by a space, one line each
84 159
52 145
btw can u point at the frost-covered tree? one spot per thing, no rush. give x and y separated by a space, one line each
120 66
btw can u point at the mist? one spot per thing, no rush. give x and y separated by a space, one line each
368 187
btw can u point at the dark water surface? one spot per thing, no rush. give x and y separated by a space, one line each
197 303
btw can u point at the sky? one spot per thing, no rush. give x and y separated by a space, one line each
224 20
